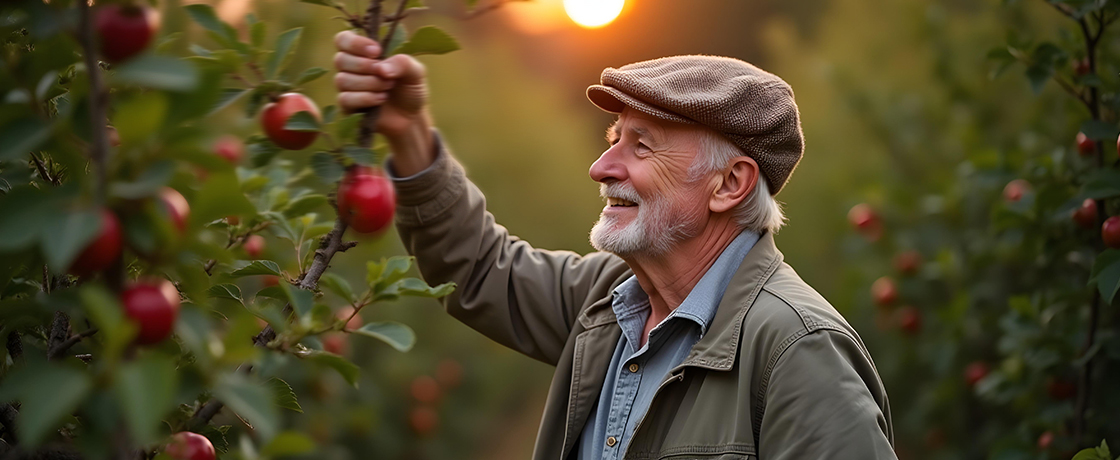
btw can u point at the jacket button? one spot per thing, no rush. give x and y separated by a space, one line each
611 441
633 368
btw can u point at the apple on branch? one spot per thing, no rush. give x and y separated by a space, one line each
275 117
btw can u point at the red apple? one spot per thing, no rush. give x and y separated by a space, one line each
176 207
449 373
366 200
231 148
336 342
975 372
233 220
910 320
1060 389
1081 66
1084 145
423 420
425 389
908 262
124 30
152 305
1014 190
884 292
866 221
276 114
270 280
1086 216
353 321
103 250
1045 439
1110 232
254 246
190 446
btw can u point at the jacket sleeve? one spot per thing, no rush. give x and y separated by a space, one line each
524 298
823 402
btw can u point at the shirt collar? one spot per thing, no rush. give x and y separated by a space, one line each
702 302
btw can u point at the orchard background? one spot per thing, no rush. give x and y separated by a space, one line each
999 339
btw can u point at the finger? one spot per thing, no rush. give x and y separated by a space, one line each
346 62
402 67
349 42
352 101
345 81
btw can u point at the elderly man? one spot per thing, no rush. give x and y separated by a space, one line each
685 336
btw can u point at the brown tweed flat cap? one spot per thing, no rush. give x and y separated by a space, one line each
751 107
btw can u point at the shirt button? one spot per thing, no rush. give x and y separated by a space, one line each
611 441
633 368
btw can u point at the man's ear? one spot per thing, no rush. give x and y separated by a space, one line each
736 183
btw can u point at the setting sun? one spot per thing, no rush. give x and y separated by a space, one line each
593 13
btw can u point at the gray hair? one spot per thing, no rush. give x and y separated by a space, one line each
759 211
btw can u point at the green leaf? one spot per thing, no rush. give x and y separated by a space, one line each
360 155
302 300
1099 130
147 184
304 205
257 267
26 212
338 285
288 443
329 112
428 40
1108 281
283 395
67 234
205 16
395 334
219 197
310 75
302 121
1038 75
158 72
326 167
381 274
347 369
226 291
286 43
107 314
228 97
217 436
139 117
418 288
22 136
257 32
262 152
400 35
146 390
48 394
251 400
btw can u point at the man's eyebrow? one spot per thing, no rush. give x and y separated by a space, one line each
612 132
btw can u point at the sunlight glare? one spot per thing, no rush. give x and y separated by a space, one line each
593 13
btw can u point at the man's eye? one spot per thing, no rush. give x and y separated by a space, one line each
642 146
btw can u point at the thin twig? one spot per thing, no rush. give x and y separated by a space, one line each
372 29
237 241
61 348
59 333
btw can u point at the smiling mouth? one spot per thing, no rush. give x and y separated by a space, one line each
620 203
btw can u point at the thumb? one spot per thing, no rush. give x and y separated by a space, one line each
404 68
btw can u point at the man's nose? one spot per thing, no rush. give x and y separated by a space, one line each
608 167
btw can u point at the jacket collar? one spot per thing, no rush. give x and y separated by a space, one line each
719 347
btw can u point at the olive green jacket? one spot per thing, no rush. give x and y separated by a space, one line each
779 375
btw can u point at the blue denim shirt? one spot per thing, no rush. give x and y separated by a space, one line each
636 373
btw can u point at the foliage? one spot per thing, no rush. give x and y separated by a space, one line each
73 373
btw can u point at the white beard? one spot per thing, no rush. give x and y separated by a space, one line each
653 233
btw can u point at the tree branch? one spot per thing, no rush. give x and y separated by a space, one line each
59 333
8 415
98 100
59 350
15 345
372 30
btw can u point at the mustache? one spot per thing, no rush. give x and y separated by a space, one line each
619 190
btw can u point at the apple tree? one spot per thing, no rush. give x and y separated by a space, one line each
993 276
158 269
